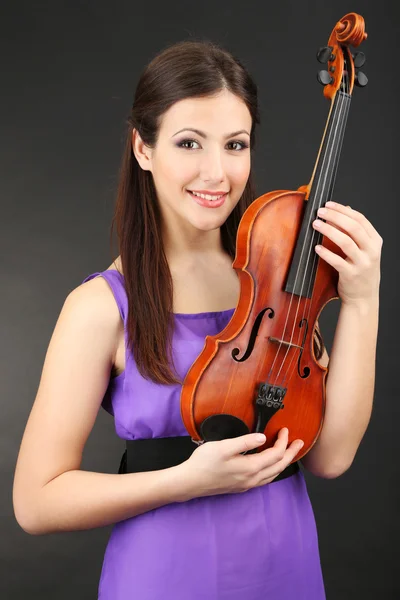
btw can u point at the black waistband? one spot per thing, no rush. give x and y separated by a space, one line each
161 453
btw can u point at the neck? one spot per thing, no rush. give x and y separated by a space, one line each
302 271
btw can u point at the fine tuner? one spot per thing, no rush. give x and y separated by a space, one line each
326 55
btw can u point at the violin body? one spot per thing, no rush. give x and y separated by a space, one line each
219 383
260 373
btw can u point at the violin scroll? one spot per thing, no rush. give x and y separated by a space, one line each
342 66
350 30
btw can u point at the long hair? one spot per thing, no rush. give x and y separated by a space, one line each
186 69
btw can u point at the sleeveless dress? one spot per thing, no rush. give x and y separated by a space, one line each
256 545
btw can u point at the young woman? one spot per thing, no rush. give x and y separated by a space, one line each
215 526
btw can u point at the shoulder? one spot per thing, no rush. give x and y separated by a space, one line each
95 295
92 305
90 315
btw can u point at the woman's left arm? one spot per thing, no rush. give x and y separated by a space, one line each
351 376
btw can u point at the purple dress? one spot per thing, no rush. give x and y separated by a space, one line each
257 545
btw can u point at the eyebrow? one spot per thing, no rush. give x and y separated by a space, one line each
203 135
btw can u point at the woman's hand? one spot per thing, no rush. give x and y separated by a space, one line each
359 272
220 468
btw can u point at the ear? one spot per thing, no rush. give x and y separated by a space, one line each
141 151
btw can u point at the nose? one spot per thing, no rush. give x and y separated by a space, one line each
212 167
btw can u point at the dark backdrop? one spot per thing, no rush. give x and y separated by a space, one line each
68 78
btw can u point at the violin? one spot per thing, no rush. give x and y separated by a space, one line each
260 373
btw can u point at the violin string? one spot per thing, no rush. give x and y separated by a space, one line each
311 251
295 282
308 301
297 274
326 157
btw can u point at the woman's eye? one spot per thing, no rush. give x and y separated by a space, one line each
242 144
183 142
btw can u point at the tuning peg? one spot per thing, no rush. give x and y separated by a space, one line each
361 79
324 54
324 78
359 59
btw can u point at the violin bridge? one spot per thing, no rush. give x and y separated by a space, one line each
284 343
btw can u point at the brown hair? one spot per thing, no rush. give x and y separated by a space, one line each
184 70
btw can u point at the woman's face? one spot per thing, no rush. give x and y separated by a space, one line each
217 162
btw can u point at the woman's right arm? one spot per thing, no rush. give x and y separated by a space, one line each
50 492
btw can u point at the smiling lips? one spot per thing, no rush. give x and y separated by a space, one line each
217 200
207 192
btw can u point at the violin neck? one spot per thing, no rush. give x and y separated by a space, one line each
324 175
302 272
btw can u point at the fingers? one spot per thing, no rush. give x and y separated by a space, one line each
275 459
344 241
354 214
350 222
278 451
243 443
287 453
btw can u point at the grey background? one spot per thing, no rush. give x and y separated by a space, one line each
69 71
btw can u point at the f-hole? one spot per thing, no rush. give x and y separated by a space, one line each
253 335
306 370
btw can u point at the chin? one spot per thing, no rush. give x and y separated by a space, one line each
210 224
